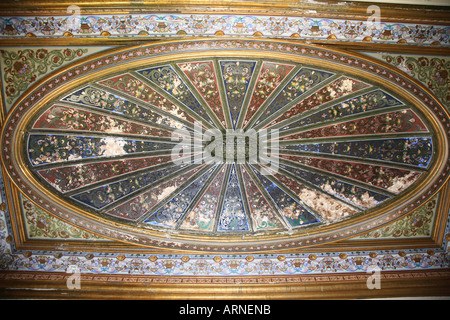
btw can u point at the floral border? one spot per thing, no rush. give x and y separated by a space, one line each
182 25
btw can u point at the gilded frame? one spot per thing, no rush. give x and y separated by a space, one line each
365 223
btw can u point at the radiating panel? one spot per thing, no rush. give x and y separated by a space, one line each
203 215
63 118
169 214
103 100
136 88
107 194
50 148
337 89
327 207
391 179
72 177
203 76
263 215
236 76
302 82
373 100
269 78
294 212
409 151
138 206
356 195
404 121
167 79
233 216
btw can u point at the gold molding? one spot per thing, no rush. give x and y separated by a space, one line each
17 285
339 45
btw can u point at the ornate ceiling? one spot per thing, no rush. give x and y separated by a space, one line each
344 144
223 156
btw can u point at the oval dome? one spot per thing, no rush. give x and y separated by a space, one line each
227 145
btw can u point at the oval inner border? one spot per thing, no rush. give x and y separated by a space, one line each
117 60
